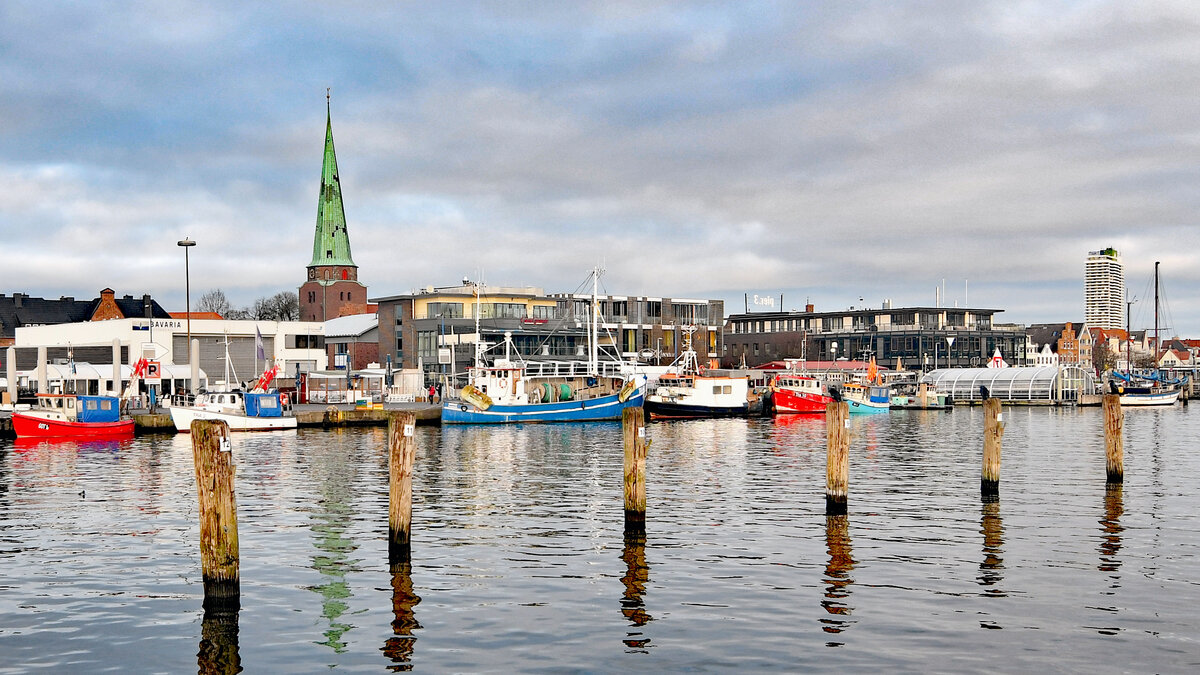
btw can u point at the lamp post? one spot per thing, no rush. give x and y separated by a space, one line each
187 292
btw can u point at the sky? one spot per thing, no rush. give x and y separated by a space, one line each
841 154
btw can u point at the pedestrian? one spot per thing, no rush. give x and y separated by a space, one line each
432 393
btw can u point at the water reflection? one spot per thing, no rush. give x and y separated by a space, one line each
1110 526
837 576
219 640
637 575
334 474
991 569
399 647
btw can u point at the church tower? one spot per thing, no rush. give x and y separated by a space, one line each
332 288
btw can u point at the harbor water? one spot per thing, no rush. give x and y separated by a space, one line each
520 562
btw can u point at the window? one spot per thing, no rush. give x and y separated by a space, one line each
654 310
502 310
446 310
543 312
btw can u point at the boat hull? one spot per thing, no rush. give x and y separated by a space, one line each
678 410
868 407
182 417
802 403
589 410
1156 398
32 425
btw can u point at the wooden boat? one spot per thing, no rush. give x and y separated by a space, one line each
1144 389
260 409
867 399
72 415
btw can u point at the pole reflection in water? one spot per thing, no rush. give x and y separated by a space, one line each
399 647
991 569
837 575
1110 541
637 575
219 639
334 475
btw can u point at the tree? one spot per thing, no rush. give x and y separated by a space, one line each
286 306
1103 357
215 301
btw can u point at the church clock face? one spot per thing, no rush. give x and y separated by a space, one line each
312 274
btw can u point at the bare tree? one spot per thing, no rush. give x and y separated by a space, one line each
215 301
1103 357
286 305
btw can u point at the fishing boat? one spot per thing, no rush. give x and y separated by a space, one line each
867 398
1143 389
511 390
799 393
687 391
72 415
259 409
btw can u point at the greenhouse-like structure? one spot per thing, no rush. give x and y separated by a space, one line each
1036 385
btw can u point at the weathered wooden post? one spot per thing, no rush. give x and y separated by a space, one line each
10 362
633 424
1114 442
837 457
993 432
402 448
219 561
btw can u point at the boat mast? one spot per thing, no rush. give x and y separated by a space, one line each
478 336
593 340
1156 347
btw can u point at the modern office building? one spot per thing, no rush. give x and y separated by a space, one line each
920 338
1104 289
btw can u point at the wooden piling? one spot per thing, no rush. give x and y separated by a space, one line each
993 433
213 456
402 448
633 424
837 457
1114 442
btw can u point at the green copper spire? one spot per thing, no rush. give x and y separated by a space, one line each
331 245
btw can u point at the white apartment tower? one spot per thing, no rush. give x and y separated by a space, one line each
1104 289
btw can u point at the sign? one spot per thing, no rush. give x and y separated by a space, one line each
764 300
444 355
153 372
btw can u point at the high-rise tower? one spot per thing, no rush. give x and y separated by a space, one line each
1104 289
332 288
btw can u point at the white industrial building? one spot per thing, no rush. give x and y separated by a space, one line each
296 346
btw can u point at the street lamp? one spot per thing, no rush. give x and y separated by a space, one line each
187 292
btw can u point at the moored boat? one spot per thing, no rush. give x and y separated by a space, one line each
241 410
511 390
687 392
72 415
867 398
802 394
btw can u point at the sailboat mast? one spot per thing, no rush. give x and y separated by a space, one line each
1156 343
593 339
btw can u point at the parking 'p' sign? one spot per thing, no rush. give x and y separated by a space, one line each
153 372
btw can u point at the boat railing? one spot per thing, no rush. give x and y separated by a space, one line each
569 369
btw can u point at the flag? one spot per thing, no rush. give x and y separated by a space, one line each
258 344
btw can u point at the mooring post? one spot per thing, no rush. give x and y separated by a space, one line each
837 457
1114 442
402 448
219 562
993 432
633 424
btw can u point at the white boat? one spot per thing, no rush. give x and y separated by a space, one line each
260 409
686 391
1147 389
242 411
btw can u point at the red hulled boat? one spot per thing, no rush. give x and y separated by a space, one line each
72 415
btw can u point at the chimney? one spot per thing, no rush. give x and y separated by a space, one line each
149 305
18 299
809 308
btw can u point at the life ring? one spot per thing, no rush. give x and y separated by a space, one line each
503 383
283 400
462 407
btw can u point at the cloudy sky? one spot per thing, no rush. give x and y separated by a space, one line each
822 151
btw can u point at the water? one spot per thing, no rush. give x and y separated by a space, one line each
520 563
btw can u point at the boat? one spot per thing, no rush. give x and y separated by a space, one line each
796 393
511 390
1143 389
72 415
866 398
259 409
687 391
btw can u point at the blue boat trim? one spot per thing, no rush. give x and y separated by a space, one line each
589 410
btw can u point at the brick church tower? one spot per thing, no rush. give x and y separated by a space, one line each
332 288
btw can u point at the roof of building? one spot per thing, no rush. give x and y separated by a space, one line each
19 310
351 326
197 315
331 242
